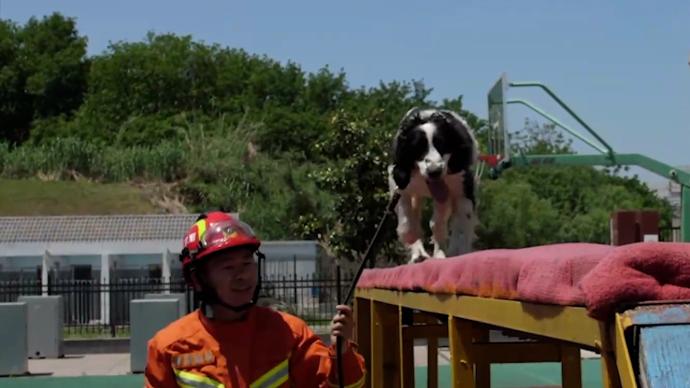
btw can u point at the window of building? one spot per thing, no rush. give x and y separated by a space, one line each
155 271
82 272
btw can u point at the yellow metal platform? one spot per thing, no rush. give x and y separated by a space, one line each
389 321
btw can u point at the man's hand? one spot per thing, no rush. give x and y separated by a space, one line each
342 325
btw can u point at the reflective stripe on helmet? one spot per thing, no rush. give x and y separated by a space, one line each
201 229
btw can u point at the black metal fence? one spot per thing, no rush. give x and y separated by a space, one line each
671 234
95 309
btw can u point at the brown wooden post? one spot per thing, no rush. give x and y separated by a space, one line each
362 311
460 342
571 367
385 345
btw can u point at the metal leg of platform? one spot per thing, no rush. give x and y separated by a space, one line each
571 367
483 367
406 351
623 360
362 313
462 362
385 345
432 362
609 370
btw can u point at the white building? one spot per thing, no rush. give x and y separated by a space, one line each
79 247
671 191
113 248
83 247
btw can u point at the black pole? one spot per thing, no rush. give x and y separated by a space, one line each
367 257
370 249
294 278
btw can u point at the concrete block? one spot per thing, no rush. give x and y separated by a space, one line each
148 316
181 297
45 324
14 359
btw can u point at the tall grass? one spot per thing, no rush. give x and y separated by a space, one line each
63 157
210 164
199 150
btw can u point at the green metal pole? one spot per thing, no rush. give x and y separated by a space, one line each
643 161
567 108
685 213
609 159
557 122
659 168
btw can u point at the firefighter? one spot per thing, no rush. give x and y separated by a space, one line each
230 341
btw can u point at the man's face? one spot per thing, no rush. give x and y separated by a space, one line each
233 274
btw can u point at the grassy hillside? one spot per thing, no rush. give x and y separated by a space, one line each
35 197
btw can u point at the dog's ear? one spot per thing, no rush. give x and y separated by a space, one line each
452 120
403 150
469 186
401 176
400 147
464 144
410 120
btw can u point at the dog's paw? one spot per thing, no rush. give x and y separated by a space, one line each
417 252
439 253
418 259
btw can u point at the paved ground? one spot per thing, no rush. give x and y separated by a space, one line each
114 364
118 364
82 365
521 375
128 381
502 376
112 370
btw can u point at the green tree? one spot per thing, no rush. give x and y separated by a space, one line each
536 138
357 148
301 155
580 199
513 215
43 72
135 89
356 178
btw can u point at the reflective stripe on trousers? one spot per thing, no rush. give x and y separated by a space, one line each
357 384
274 377
192 380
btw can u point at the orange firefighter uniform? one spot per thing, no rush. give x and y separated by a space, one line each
266 349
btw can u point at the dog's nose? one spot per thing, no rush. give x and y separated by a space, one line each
434 172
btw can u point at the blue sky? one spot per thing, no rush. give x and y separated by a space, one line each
622 65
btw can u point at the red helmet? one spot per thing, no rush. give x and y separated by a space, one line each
214 232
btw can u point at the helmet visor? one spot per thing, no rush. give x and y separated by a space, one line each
224 232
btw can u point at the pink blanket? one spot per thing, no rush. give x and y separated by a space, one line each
599 277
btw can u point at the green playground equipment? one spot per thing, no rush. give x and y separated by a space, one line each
499 145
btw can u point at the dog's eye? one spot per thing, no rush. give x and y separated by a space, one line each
418 140
418 145
441 146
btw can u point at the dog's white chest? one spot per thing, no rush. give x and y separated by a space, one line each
418 186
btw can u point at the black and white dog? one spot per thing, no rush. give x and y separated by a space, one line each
434 154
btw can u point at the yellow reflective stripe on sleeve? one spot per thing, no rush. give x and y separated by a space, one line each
274 377
192 380
357 384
